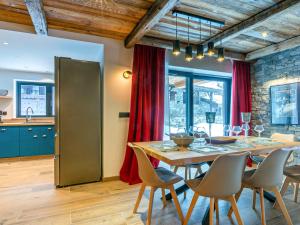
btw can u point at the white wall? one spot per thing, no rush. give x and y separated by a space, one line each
7 78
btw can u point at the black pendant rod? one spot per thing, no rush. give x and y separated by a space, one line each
196 18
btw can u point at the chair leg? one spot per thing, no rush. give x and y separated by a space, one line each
176 202
282 206
237 196
254 199
236 210
217 209
211 211
296 192
150 205
190 172
138 200
163 196
262 206
189 213
284 188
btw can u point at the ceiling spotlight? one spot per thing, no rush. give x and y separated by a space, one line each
210 45
189 48
176 47
5 43
176 43
210 49
189 53
200 47
220 55
200 52
264 34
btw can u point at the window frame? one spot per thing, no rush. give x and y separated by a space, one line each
190 76
49 88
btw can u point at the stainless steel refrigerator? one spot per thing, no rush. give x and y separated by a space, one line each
78 109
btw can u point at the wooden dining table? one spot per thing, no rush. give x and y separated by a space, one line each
199 152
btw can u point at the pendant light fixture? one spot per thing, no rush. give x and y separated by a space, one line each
189 48
176 43
200 48
210 47
221 52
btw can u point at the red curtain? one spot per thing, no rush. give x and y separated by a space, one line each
146 121
241 94
241 91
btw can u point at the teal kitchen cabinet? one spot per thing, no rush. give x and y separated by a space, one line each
47 140
9 142
36 140
29 140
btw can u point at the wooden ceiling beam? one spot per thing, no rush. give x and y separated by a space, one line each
275 48
37 14
157 11
151 41
254 21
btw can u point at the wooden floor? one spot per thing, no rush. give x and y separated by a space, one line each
27 196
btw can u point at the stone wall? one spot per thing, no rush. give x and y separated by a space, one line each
280 68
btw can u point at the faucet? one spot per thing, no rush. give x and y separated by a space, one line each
28 117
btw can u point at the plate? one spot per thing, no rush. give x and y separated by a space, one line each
221 140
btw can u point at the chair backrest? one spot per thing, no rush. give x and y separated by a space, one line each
224 178
270 171
146 170
283 137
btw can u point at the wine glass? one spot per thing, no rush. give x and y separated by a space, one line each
227 129
246 128
236 130
259 129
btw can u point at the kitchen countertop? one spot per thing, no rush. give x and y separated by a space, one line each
11 124
33 122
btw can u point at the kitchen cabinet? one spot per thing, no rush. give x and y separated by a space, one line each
9 142
26 141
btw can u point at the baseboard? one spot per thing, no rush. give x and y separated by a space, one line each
26 158
106 179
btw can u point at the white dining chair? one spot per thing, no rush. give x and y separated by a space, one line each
268 176
222 181
155 178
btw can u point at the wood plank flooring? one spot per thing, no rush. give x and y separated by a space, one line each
28 197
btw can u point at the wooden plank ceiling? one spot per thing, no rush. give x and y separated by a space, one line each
245 21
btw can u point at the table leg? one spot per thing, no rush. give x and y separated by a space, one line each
184 187
270 197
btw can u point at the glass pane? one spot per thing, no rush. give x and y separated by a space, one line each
33 96
177 103
208 97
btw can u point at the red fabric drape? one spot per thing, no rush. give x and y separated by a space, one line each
241 93
147 105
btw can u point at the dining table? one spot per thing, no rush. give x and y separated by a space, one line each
200 152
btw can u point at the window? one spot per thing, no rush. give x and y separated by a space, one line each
190 96
38 96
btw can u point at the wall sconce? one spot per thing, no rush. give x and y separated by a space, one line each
127 74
